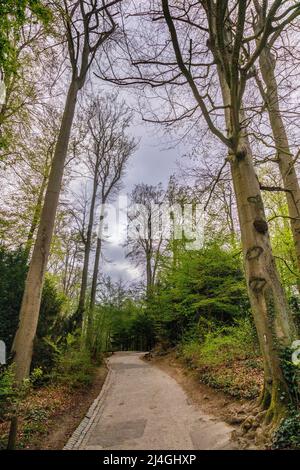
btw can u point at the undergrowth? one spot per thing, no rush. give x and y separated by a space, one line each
73 369
227 358
287 435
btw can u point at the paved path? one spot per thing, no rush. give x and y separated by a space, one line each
141 407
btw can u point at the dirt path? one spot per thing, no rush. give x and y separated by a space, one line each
142 407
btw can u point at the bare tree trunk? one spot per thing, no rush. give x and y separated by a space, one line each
149 280
66 269
87 251
268 302
95 274
29 314
285 158
36 215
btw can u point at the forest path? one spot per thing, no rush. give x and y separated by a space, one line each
142 407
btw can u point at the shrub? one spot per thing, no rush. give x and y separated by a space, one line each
206 289
6 390
13 270
223 345
288 433
227 359
74 367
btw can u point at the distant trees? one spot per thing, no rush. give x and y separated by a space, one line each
14 16
120 320
28 175
22 26
106 150
110 139
145 239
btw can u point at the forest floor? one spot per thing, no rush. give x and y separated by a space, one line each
143 407
50 414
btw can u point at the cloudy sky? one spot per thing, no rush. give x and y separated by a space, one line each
153 163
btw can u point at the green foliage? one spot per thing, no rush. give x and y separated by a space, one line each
10 396
204 287
227 359
13 269
224 345
13 16
132 328
291 374
52 307
6 389
74 366
120 324
37 377
287 435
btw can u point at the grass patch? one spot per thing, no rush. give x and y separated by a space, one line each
228 359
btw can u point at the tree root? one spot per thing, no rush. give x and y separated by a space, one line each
259 427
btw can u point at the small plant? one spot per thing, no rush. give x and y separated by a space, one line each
288 434
33 427
227 359
37 414
6 390
37 377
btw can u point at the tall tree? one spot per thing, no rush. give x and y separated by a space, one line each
269 307
143 242
86 26
284 155
108 150
115 148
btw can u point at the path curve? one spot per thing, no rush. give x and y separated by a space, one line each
142 407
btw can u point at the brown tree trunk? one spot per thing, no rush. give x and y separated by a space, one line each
36 215
97 261
267 297
29 314
285 158
95 274
87 251
271 314
149 279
